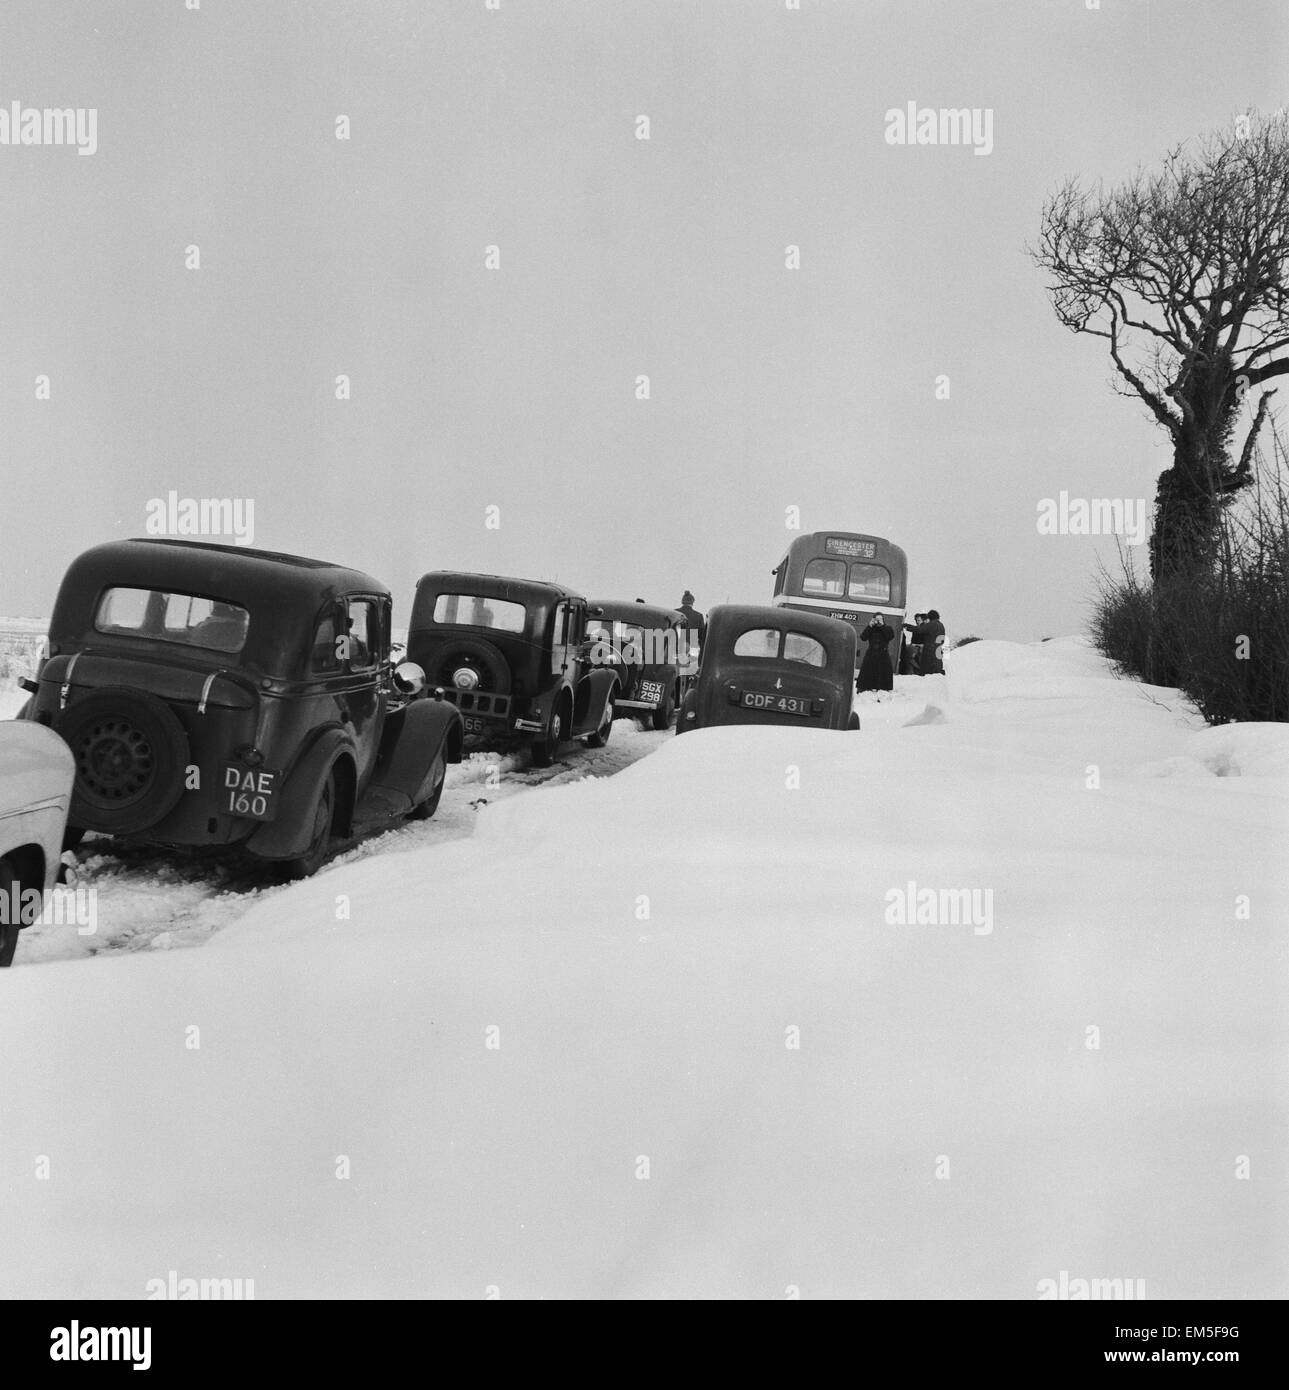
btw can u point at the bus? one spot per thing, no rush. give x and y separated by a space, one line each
847 575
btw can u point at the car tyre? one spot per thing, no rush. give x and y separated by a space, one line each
324 811
544 749
425 809
601 736
664 714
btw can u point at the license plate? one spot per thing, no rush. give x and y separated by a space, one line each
651 691
780 704
472 725
251 792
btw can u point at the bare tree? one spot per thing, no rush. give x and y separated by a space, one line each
1183 272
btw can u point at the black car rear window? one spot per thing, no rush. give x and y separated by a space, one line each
764 642
165 616
474 610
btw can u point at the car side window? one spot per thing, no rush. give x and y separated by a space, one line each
363 634
326 646
559 638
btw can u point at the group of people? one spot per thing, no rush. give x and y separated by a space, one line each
923 651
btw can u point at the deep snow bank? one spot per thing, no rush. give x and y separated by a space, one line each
668 1034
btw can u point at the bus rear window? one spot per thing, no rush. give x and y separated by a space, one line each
870 581
826 577
170 617
474 610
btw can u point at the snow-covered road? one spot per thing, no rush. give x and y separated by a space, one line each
145 898
141 898
990 993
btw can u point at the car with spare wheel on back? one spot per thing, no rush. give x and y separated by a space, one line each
513 656
223 697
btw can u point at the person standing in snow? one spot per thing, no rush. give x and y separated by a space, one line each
694 620
875 670
930 635
909 656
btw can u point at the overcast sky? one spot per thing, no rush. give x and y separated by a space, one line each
516 387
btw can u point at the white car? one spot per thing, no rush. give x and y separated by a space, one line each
36 774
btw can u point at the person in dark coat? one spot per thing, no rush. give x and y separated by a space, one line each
875 670
909 654
694 620
930 636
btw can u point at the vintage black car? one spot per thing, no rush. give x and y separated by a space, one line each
652 650
512 654
764 665
214 695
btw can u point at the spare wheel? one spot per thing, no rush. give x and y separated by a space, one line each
131 754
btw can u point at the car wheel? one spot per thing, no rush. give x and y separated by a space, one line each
544 749
427 808
601 736
662 716
131 752
308 863
9 882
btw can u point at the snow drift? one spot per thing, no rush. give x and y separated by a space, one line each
678 1033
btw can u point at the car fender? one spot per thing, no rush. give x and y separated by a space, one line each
289 834
687 718
541 706
593 694
413 739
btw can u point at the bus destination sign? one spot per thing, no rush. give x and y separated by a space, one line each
840 545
